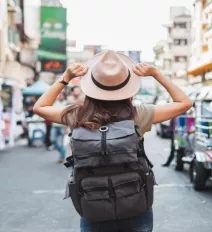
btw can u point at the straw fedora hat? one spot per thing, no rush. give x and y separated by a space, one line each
110 77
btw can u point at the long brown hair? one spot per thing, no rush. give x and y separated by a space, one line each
95 113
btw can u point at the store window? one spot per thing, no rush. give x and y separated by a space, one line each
183 42
180 25
180 59
177 42
180 42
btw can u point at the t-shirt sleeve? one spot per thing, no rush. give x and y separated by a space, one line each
144 118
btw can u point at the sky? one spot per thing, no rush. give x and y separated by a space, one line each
120 24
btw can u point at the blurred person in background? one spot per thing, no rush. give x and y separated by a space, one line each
2 124
58 130
172 148
48 142
76 95
189 136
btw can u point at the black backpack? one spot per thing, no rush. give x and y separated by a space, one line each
112 176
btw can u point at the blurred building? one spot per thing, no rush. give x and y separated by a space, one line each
19 40
172 55
163 57
200 69
11 38
12 72
81 53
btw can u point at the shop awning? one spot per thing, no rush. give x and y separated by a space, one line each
200 69
38 88
204 93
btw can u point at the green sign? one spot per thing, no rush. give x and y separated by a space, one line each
52 34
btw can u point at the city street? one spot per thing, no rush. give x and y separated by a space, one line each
32 191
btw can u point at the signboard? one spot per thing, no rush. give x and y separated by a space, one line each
52 38
55 66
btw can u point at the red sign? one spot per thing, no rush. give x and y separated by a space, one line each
55 66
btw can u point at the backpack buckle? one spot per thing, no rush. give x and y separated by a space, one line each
103 129
69 162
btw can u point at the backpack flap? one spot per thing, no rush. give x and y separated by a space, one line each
112 144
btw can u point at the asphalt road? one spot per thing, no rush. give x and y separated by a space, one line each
32 189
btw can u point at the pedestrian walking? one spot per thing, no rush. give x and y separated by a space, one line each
172 147
58 130
112 196
48 142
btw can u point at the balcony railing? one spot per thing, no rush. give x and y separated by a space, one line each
13 36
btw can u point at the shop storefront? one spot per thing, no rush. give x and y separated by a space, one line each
11 106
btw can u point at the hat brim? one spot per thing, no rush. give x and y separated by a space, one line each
91 90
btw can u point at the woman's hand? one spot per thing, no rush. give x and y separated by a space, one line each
181 103
74 70
143 69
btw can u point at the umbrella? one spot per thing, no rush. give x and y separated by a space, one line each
38 88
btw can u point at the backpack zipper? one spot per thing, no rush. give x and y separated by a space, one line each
104 143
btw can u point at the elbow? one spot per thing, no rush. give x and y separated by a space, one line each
35 109
188 104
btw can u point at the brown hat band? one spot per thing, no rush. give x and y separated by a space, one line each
111 88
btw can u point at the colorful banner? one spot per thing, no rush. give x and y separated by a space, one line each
52 38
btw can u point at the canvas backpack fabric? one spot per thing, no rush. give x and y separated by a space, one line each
112 177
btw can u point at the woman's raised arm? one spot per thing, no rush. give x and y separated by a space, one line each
181 103
43 107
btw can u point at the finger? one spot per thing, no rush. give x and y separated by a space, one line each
141 68
76 66
83 72
137 71
79 69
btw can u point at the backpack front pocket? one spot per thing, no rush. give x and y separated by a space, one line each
75 196
113 197
130 198
96 202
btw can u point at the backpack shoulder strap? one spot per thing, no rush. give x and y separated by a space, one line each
143 153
